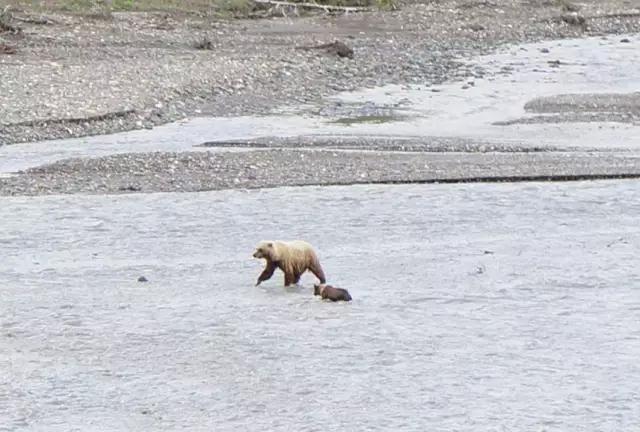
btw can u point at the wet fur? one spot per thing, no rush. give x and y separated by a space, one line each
330 292
292 257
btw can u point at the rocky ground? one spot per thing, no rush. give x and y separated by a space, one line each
83 75
202 171
77 76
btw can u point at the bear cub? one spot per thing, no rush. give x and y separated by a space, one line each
330 292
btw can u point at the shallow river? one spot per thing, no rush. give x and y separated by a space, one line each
483 307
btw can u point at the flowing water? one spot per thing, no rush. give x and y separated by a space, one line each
487 307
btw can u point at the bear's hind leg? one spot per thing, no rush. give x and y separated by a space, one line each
296 277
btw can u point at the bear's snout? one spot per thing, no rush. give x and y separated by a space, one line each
257 254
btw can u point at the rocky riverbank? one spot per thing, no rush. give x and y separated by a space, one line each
77 76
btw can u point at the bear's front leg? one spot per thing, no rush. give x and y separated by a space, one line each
288 278
267 272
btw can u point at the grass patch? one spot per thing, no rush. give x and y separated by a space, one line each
216 7
91 6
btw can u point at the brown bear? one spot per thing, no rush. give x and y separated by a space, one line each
330 292
292 257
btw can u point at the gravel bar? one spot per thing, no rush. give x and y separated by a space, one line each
203 171
402 144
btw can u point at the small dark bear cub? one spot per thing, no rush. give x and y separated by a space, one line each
330 292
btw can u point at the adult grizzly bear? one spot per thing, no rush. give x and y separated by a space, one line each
330 292
292 257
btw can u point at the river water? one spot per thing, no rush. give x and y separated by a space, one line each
477 307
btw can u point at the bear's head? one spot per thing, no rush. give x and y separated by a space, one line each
264 249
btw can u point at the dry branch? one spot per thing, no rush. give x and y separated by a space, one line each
307 5
36 21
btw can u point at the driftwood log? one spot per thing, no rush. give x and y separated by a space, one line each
336 48
280 4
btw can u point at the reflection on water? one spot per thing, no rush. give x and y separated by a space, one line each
476 307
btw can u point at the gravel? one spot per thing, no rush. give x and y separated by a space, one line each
202 171
84 76
586 107
397 144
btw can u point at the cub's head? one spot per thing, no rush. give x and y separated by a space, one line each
264 249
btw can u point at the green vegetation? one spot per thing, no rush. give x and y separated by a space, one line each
234 7
83 6
387 4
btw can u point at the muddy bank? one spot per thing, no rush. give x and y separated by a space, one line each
203 171
76 77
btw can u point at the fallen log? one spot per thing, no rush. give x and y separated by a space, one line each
308 5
